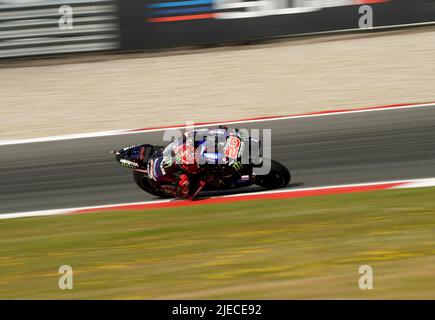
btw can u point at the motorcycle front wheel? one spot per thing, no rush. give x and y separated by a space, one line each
143 181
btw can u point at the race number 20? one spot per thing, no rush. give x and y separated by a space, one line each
232 148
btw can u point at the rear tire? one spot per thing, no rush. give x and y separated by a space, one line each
278 177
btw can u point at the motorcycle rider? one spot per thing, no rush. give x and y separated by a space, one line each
177 169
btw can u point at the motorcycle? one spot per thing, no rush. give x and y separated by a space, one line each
230 174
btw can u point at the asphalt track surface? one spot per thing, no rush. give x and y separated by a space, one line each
319 151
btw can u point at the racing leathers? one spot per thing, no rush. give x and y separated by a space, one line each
178 168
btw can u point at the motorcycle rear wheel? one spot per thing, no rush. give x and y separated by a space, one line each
278 177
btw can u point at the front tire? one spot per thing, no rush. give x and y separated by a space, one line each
278 177
143 182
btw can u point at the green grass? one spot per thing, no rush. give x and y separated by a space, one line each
295 248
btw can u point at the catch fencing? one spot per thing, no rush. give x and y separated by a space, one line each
29 28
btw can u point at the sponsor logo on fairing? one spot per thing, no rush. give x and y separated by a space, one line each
128 163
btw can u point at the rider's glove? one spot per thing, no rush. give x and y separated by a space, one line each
184 185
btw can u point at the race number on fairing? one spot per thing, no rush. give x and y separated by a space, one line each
232 147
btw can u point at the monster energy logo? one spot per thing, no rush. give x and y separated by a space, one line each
238 166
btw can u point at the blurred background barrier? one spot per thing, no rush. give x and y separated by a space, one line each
38 27
163 23
30 28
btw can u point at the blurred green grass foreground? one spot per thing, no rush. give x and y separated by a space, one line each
302 248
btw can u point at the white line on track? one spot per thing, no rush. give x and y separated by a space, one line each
414 183
254 120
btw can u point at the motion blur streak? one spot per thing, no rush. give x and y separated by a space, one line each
341 149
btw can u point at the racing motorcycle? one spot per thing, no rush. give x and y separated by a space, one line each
224 175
